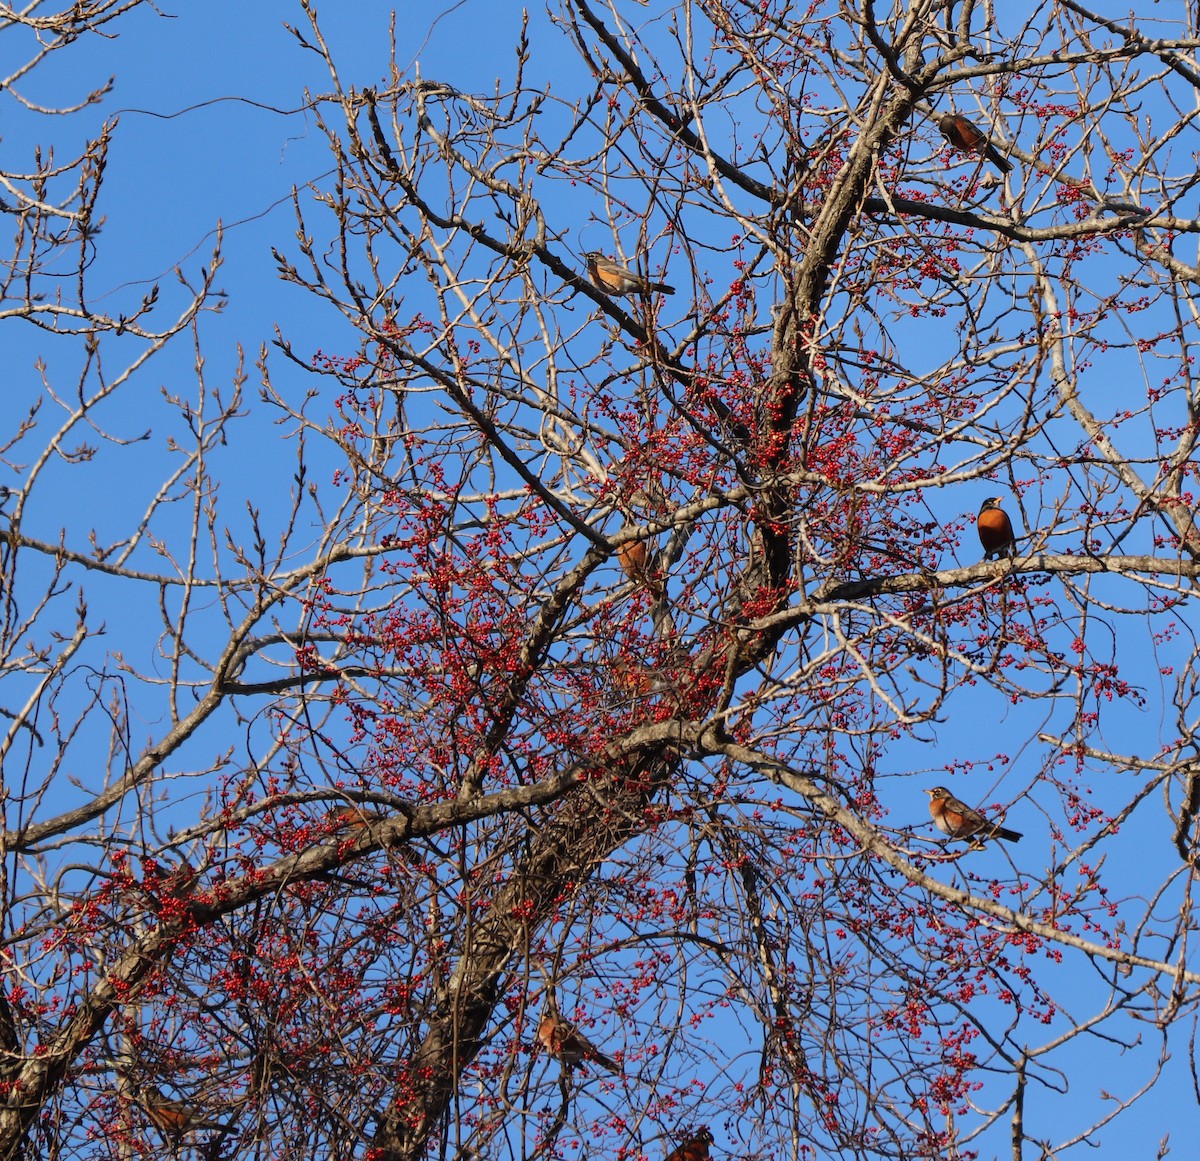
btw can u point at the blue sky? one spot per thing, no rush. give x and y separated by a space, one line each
212 130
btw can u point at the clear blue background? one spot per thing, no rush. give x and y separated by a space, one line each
212 129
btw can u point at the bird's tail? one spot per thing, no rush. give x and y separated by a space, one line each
1001 832
599 1058
999 160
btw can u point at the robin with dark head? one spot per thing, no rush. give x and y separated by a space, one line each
960 821
170 1117
567 1044
969 138
995 530
613 278
695 1148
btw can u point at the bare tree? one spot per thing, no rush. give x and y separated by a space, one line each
624 615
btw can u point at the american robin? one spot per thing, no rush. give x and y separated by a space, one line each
695 1148
633 556
968 138
340 819
170 1117
566 1043
995 530
636 680
958 820
613 278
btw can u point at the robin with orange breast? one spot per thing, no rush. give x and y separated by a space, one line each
995 530
634 680
968 138
610 276
170 1117
695 1148
631 556
960 821
345 819
566 1043
634 557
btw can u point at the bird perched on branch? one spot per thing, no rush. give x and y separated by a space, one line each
995 530
635 680
695 1148
960 821
170 1117
634 557
969 138
567 1044
343 819
613 278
